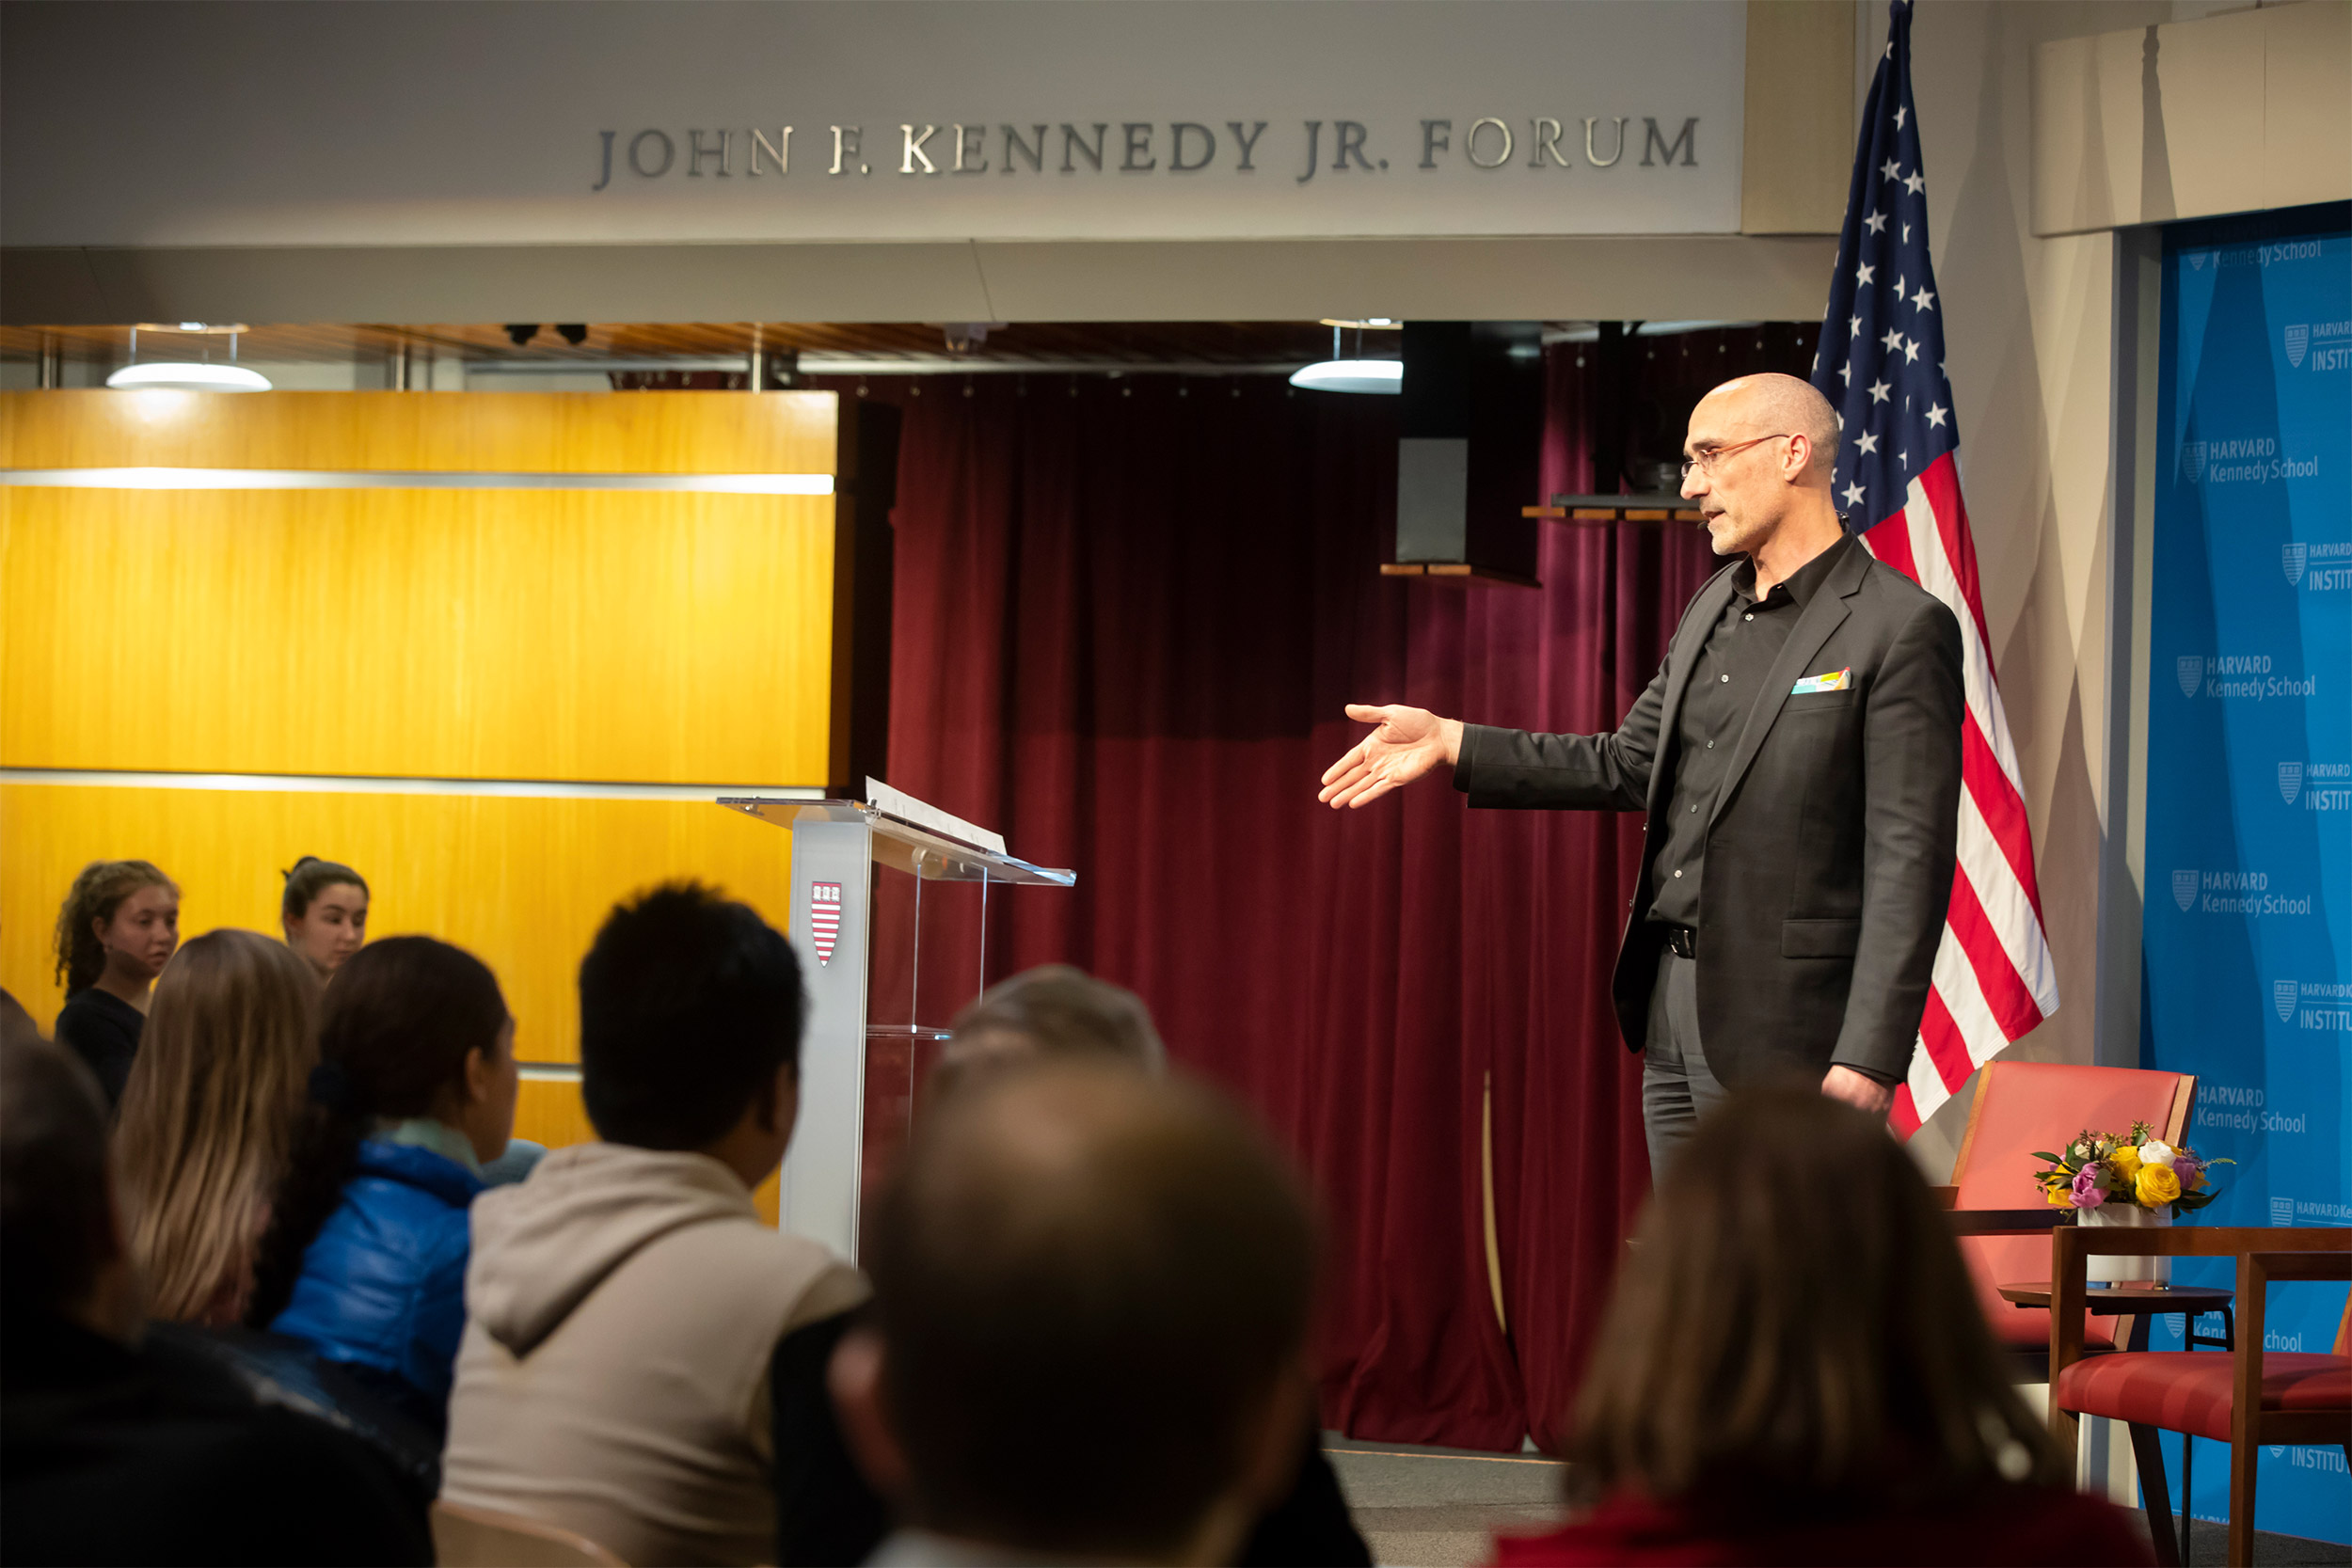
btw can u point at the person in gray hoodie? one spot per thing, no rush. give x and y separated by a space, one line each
624 1302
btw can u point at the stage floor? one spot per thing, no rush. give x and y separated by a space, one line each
1437 1508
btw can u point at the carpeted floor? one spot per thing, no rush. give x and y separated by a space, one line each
1439 1508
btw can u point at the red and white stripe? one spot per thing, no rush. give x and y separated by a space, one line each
1993 980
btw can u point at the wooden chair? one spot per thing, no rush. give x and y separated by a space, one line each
2245 1399
465 1537
2024 1106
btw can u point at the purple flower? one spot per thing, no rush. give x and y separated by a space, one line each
2086 1191
2186 1167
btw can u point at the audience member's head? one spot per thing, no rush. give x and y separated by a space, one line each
325 913
120 923
690 1029
1794 1334
1054 1010
208 1119
61 1252
412 1028
1092 1296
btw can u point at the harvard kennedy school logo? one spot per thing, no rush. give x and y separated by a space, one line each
2282 998
2292 559
2184 889
2290 781
2189 669
2193 459
2298 339
824 918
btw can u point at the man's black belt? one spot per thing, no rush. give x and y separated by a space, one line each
1682 942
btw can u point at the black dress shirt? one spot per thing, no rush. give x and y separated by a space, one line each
1726 680
104 1030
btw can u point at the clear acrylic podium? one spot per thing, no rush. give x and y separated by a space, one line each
890 921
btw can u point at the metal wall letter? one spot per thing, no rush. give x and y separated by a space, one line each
914 151
696 152
1434 140
1545 133
844 143
1469 143
1177 132
781 151
1592 156
1137 146
1246 142
669 154
968 141
1314 136
1034 155
1351 136
1070 138
606 177
1686 142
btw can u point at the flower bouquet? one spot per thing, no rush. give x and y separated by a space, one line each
2138 1169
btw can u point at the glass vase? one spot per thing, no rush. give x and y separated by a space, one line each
2118 1212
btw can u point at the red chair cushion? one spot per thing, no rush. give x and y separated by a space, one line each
2192 1392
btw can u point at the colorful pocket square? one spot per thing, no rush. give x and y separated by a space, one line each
1834 680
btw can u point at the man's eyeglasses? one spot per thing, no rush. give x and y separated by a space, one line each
1705 458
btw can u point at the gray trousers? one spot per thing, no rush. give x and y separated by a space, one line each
1677 1087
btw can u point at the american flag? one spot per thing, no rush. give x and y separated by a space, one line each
1881 361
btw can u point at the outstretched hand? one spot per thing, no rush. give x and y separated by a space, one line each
1409 742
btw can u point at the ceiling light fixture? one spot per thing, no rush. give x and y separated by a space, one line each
188 375
1358 375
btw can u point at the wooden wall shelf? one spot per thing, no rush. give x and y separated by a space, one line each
1459 574
1614 509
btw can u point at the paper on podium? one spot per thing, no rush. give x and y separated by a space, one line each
906 808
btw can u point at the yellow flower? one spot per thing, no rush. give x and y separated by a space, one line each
2155 1185
2126 1163
2059 1195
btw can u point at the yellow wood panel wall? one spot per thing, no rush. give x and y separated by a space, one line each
487 432
521 883
627 636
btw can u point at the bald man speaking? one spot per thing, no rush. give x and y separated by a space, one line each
1798 758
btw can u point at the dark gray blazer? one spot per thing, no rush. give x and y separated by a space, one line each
1829 852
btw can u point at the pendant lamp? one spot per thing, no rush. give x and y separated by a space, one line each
189 376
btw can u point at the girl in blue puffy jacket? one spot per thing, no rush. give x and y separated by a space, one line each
365 1258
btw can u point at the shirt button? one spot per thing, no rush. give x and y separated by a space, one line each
1694 811
1711 745
1726 680
1750 616
1677 873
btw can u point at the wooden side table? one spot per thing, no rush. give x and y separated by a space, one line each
2140 1300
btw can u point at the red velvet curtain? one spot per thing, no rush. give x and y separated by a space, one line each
1127 617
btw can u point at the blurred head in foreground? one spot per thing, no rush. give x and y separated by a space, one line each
62 1249
1092 1292
1795 1336
1052 1010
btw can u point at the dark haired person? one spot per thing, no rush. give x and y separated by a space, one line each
626 1301
117 929
1058 1012
122 1446
323 912
365 1258
1793 1369
1088 1337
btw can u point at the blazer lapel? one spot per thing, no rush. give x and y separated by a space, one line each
1824 616
1681 654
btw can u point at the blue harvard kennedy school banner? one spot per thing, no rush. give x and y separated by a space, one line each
2247 942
